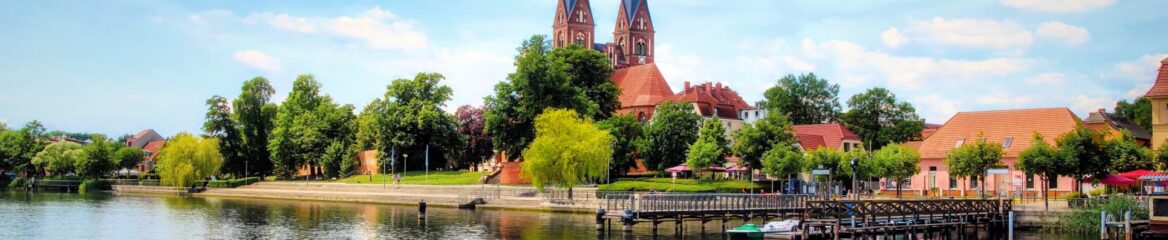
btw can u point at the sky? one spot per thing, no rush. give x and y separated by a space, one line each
118 67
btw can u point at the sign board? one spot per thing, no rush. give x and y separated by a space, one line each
820 172
997 171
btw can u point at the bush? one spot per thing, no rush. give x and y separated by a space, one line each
18 183
1073 195
1097 192
1088 219
232 183
95 185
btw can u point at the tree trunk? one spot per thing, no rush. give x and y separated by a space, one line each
983 186
1045 202
569 193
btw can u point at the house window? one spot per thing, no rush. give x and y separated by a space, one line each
1029 181
1052 183
952 183
847 147
959 143
1007 142
973 182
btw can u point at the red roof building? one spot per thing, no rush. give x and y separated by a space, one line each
1158 95
642 88
832 135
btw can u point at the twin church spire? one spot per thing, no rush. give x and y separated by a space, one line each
632 36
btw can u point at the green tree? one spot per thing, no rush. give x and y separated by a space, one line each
187 158
897 162
879 118
753 140
410 118
714 132
306 124
567 150
703 154
668 136
829 159
1160 156
471 126
10 141
1127 155
1042 160
591 72
1138 111
129 157
538 83
783 161
59 158
626 131
806 99
99 157
221 125
335 155
18 147
972 160
1084 152
255 118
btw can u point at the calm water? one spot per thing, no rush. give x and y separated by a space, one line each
105 216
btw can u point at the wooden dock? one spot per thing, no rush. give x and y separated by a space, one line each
821 219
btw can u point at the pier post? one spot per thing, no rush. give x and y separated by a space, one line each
422 209
1010 226
1127 231
1102 224
600 219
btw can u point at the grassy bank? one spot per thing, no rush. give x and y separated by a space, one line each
681 185
419 177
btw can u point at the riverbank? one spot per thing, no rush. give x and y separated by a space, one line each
497 197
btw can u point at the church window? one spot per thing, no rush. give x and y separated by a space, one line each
580 39
640 23
581 16
640 48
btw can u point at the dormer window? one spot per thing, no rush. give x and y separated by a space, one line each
1006 143
959 143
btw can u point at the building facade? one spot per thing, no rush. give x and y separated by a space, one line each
1158 95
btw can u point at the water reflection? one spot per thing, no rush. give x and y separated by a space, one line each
104 216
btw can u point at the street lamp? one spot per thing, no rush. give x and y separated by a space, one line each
855 185
405 160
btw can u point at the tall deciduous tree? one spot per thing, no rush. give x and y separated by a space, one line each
220 124
187 158
99 157
897 162
626 131
1127 155
471 125
972 160
1084 152
783 161
306 124
129 157
806 99
770 132
537 84
410 117
59 158
711 147
714 132
567 151
1138 111
1042 160
255 117
879 118
668 136
591 72
18 147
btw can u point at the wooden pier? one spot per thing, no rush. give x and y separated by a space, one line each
820 218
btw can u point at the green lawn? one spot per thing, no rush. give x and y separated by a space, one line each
419 177
681 185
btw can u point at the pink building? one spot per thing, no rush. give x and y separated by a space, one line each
1013 129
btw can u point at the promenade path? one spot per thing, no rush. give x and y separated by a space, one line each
507 197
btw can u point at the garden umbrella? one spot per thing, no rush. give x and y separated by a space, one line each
1136 174
678 168
1112 179
716 169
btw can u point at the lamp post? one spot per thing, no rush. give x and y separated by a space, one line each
405 160
855 185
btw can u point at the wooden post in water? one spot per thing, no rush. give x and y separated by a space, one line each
1102 224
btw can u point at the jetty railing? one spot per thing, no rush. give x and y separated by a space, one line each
699 203
885 208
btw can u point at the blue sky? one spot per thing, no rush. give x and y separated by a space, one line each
118 67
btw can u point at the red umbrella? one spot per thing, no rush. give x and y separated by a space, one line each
1112 179
678 168
1136 174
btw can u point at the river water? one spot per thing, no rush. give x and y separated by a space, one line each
106 216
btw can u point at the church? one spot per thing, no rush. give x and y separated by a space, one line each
632 54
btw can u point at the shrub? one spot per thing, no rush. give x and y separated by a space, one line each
18 183
95 185
1097 192
1088 219
1072 195
232 183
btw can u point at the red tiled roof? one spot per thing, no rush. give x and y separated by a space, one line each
1160 88
139 135
710 96
915 145
641 85
810 141
929 130
833 133
153 148
997 125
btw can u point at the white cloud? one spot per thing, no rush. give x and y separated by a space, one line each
258 60
1084 104
1138 90
472 74
1139 70
892 38
1068 34
976 33
909 71
1047 79
1058 5
1001 98
376 28
936 109
205 17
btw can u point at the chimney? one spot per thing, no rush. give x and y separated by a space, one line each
708 86
686 89
1102 110
719 87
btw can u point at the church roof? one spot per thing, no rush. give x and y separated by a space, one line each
631 7
641 85
1160 88
568 5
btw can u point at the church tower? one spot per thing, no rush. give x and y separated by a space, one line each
633 36
573 24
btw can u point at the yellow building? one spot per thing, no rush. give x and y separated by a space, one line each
1159 97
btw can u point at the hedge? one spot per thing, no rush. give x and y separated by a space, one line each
95 185
232 183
